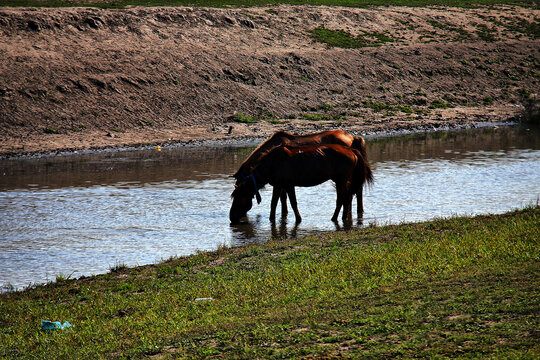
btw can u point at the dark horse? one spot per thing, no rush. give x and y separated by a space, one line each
338 137
285 167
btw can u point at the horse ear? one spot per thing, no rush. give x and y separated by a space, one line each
235 186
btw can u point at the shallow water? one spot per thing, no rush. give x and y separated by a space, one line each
84 214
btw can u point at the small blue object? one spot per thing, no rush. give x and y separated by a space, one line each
54 325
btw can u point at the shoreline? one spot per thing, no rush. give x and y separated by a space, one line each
237 141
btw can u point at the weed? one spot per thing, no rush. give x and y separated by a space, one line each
51 130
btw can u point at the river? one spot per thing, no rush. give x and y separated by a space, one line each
84 214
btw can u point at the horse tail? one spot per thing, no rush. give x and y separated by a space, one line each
363 174
368 174
360 144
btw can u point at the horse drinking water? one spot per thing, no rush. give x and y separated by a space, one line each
279 138
285 167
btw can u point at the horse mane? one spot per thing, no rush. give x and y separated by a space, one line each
264 148
241 187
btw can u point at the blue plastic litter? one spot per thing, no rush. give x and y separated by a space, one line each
54 325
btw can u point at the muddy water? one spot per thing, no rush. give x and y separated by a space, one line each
84 214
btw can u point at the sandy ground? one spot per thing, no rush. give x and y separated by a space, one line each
83 78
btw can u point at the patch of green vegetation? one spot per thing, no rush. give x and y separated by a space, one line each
454 288
245 119
529 28
420 92
51 130
78 128
343 39
487 100
463 34
274 121
252 119
439 104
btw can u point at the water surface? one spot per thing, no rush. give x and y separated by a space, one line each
84 214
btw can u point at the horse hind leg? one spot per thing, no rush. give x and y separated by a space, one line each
294 204
284 209
339 202
359 203
347 205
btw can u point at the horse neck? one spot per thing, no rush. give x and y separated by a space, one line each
261 176
267 145
266 167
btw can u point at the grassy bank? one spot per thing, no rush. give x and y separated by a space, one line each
463 287
250 3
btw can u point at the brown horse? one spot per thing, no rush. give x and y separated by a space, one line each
339 137
285 167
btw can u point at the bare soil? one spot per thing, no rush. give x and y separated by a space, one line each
84 78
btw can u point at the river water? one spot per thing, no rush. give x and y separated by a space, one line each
84 214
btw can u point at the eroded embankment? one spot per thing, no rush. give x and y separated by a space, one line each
83 78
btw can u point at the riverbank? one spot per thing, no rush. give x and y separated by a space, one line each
85 78
458 287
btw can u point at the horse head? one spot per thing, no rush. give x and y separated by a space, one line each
242 197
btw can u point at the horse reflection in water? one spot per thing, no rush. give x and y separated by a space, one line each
285 167
282 138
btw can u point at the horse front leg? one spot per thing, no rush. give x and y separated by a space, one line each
276 192
294 205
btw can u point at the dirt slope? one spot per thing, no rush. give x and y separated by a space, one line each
82 78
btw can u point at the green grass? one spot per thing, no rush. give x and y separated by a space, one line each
251 3
460 288
252 119
439 104
343 39
245 119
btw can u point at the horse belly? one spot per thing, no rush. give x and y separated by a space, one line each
302 175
